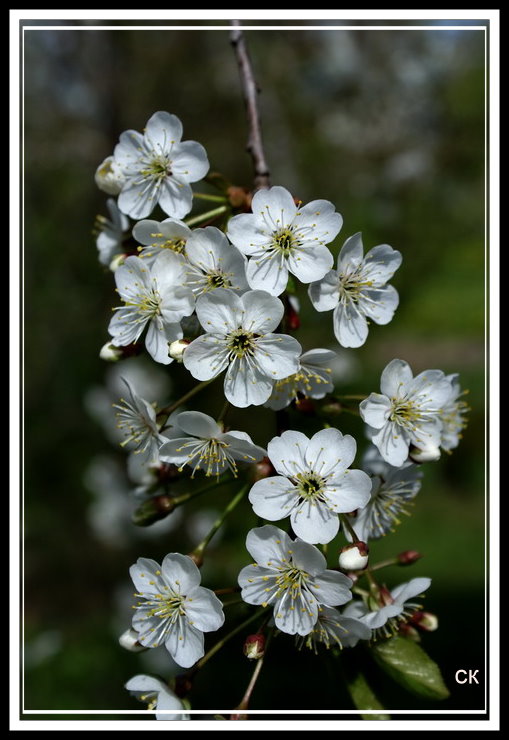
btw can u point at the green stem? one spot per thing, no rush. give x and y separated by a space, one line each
350 398
208 216
384 564
197 388
213 650
198 551
193 494
214 198
224 411
346 523
244 704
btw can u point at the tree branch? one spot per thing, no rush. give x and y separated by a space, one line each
250 90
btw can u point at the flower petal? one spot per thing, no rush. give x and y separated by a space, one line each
245 385
198 424
324 294
206 357
314 522
162 131
262 312
273 498
311 263
287 452
331 588
185 644
375 410
180 572
396 379
189 161
277 355
329 452
205 610
350 325
267 272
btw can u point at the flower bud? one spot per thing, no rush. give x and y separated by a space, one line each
425 621
261 469
254 646
408 557
428 453
108 177
409 632
110 353
305 406
129 641
153 510
239 197
117 261
354 556
177 348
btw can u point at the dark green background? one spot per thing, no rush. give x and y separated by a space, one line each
389 126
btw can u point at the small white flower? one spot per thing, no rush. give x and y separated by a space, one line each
157 168
109 177
154 298
136 419
394 608
407 412
357 290
280 238
158 236
393 489
313 485
157 695
239 339
354 556
208 447
292 577
453 416
214 263
332 629
112 233
312 380
175 610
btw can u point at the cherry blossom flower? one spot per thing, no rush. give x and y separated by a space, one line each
112 233
208 447
407 412
452 416
312 380
292 577
357 290
158 696
159 236
214 263
239 338
175 610
136 419
154 298
157 168
314 483
280 237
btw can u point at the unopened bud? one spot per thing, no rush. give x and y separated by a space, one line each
183 684
425 621
305 406
385 596
109 177
409 632
292 318
428 453
117 261
254 646
261 469
110 353
153 510
129 641
239 197
408 557
354 556
177 348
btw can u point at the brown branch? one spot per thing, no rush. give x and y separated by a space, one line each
250 90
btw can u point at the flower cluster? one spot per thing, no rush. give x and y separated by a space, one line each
217 292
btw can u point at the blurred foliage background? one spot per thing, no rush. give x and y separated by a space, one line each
389 126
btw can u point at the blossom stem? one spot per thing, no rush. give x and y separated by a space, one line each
215 648
208 216
347 525
197 388
208 196
244 704
193 494
224 411
199 550
384 564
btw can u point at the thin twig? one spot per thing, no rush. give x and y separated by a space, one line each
250 91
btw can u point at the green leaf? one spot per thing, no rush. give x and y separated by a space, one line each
363 696
407 663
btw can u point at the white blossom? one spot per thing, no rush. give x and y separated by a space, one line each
312 380
175 610
239 338
154 298
392 491
357 290
157 168
214 263
407 412
136 419
112 233
280 237
452 416
207 446
314 483
394 608
292 576
157 695
332 629
158 236
109 177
